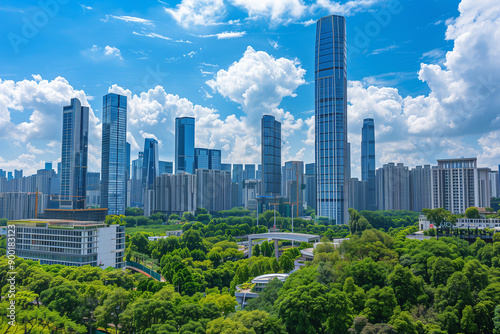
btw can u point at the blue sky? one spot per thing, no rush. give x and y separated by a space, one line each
227 62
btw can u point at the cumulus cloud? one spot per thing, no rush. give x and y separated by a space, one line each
277 11
347 8
107 53
226 35
197 12
43 101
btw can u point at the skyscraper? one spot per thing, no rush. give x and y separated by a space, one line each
150 164
311 185
271 156
214 159
238 178
294 181
136 192
201 158
184 145
166 167
250 171
331 151
74 155
368 162
114 153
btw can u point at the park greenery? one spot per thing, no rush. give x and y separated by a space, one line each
376 281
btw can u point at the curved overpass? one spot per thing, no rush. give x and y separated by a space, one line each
299 237
144 270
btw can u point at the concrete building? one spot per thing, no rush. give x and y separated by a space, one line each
458 184
71 243
420 188
251 190
175 193
393 187
19 205
213 190
494 184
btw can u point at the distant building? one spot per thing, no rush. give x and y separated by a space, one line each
258 172
184 144
48 165
494 184
18 174
458 184
251 190
136 191
78 215
250 171
214 159
175 193
357 191
310 192
271 156
166 167
75 137
201 158
150 170
19 205
393 187
226 167
368 163
295 185
420 188
71 243
238 179
213 190
93 189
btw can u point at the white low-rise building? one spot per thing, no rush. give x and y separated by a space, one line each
70 243
480 223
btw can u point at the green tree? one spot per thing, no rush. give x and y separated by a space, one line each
437 216
356 295
113 306
407 287
467 323
472 213
496 320
403 322
61 298
357 223
441 270
286 263
256 250
380 304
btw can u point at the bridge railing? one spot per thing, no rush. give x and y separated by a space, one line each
147 270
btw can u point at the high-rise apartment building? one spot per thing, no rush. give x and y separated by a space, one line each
271 156
331 151
114 154
393 187
368 163
184 145
420 188
213 190
458 184
75 137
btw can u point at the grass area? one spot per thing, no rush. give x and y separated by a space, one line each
157 229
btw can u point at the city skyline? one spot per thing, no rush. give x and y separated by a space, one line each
412 117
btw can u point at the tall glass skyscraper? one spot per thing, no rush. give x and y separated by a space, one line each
331 154
214 159
150 164
201 158
271 156
136 193
184 145
75 138
114 154
368 162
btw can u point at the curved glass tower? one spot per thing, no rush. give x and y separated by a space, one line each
331 154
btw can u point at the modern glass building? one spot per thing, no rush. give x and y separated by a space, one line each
114 154
368 162
238 178
150 164
250 171
271 155
214 159
331 154
136 192
75 138
184 145
166 167
201 158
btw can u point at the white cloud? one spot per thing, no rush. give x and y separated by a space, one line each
347 8
32 149
197 12
277 11
154 35
226 35
98 53
274 44
130 19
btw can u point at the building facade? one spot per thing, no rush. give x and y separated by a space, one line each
136 192
420 188
213 190
368 162
75 135
458 184
175 193
114 154
184 145
150 170
393 187
71 243
294 186
331 148
271 156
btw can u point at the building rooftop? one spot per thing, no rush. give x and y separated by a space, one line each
57 223
264 279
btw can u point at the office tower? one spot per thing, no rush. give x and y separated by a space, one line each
258 172
93 189
136 193
59 168
9 176
420 188
166 167
494 181
48 165
201 158
357 189
331 151
150 171
310 193
3 173
368 162
226 167
43 180
213 190
127 177
250 171
238 179
175 193
114 154
393 187
75 136
18 174
458 184
184 145
214 159
294 181
271 156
